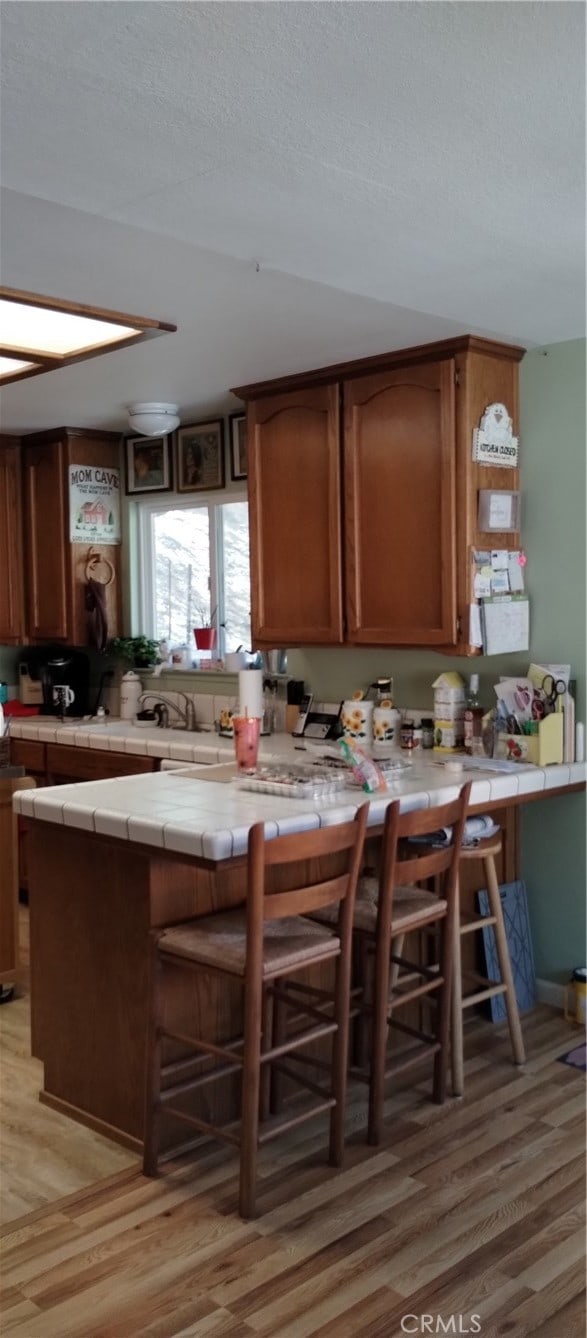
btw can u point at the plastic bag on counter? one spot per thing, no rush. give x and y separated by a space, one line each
365 771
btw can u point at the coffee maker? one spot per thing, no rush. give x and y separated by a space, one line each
59 677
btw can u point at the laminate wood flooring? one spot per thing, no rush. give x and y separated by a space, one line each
474 1209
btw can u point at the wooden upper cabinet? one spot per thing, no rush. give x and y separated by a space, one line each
399 469
55 568
295 525
45 505
12 614
406 499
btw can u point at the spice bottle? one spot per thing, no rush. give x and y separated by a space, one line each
407 735
473 718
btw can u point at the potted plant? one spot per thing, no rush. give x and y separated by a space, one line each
205 632
139 651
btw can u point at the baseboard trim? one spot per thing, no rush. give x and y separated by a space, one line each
548 992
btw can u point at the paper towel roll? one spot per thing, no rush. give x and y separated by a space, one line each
250 692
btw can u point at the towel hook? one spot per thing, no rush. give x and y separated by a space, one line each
95 559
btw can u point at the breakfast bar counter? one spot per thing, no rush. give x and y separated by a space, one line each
112 860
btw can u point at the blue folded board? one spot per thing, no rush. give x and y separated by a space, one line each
517 927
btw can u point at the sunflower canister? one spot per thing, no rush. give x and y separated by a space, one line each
386 723
357 717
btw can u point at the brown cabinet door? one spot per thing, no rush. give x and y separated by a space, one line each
45 540
400 506
294 501
12 621
68 764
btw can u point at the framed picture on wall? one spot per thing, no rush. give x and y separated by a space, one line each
238 445
147 464
200 456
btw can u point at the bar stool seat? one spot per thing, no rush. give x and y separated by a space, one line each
221 941
263 945
487 850
412 907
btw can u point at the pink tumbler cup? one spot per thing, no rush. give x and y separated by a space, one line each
246 740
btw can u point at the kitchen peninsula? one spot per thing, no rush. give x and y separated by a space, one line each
110 860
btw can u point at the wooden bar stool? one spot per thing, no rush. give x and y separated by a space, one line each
487 851
263 946
387 909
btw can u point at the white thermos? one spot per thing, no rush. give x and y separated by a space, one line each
130 691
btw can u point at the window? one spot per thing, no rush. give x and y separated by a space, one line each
194 563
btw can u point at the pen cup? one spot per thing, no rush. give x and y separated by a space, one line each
246 740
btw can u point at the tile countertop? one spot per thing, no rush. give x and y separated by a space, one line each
121 736
186 812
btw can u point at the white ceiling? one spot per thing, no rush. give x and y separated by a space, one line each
400 172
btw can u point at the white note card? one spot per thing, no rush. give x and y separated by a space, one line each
506 624
500 511
516 573
475 632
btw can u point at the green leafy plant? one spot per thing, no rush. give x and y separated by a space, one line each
139 651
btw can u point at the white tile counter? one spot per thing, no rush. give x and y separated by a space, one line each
204 814
121 736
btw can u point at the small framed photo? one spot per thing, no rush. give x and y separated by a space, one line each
200 456
147 464
238 445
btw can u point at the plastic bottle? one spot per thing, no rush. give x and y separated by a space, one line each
473 718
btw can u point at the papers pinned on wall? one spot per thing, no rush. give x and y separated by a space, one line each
498 571
505 621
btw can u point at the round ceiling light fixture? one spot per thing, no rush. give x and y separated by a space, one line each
153 419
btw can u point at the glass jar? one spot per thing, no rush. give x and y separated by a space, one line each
407 735
427 732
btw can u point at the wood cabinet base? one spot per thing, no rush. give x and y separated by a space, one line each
90 1121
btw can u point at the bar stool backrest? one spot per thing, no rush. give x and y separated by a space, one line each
304 849
418 863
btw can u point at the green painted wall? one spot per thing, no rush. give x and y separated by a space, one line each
552 457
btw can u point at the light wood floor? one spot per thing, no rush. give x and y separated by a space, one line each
44 1155
473 1209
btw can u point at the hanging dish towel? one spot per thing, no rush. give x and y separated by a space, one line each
96 603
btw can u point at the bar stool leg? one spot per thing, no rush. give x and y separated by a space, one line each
456 1039
251 1082
443 1011
505 965
340 1060
379 1043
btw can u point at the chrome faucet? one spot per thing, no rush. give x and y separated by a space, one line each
187 716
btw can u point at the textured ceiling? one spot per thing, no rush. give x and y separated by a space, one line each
400 171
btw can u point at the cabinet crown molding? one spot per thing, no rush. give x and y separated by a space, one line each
381 362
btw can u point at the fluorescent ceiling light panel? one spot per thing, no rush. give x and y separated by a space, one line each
56 334
13 367
53 333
